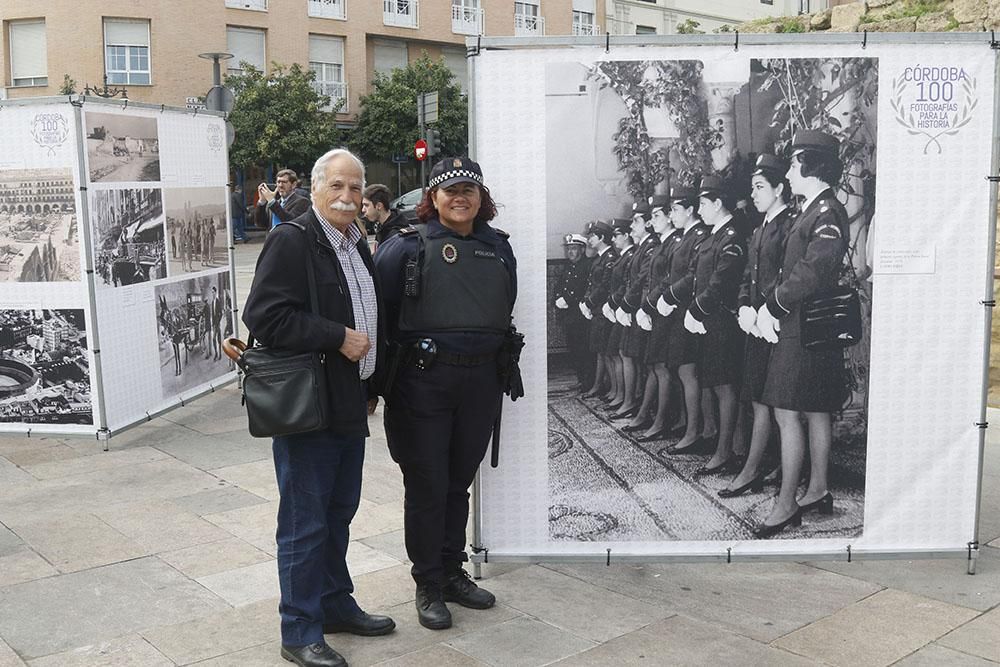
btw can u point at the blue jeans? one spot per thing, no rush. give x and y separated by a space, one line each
319 479
239 228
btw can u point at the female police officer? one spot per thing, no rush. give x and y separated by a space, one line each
450 284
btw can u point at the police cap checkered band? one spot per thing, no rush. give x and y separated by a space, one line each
453 170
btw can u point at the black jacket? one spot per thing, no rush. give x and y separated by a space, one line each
391 226
277 312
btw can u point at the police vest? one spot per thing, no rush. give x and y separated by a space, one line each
464 286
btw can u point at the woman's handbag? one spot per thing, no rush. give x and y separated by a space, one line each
831 320
285 391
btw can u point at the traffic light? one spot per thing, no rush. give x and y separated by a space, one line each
433 141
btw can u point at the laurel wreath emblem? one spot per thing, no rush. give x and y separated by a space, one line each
50 130
960 120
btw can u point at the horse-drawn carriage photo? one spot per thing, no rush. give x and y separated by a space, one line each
129 238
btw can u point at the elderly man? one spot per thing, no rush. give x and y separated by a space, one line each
319 473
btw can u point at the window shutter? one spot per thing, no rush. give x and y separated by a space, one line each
326 49
121 32
246 44
27 50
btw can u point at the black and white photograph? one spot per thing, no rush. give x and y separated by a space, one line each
44 367
129 242
39 238
122 149
709 297
193 317
196 229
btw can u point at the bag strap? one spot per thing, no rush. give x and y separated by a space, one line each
310 276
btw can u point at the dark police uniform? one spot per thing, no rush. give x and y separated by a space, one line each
616 290
598 285
438 419
676 288
572 288
656 347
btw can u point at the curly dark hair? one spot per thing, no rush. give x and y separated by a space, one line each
487 207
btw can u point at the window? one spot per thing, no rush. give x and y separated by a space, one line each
767 2
467 17
400 13
126 51
389 55
528 19
328 9
583 24
456 62
326 58
257 5
28 61
246 44
645 30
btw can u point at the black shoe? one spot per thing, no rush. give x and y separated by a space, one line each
459 587
756 485
824 505
712 470
314 655
764 531
363 624
629 428
431 609
653 437
699 446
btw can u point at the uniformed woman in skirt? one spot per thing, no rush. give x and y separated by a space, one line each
803 382
770 193
600 239
616 288
449 284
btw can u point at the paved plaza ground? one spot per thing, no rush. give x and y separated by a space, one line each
161 552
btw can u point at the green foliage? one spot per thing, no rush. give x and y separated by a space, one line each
725 27
279 118
910 9
675 89
952 23
387 124
68 86
689 27
790 24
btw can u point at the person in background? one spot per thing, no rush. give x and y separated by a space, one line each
384 221
238 212
569 293
283 203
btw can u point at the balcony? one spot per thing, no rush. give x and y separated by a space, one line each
400 13
620 27
255 5
336 91
328 9
468 20
585 29
527 24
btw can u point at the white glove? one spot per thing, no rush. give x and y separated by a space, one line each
693 325
608 313
755 331
664 308
586 311
768 325
644 321
622 317
746 317
561 304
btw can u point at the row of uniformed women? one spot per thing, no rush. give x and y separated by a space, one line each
682 290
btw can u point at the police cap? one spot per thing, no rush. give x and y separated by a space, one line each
679 192
599 227
659 201
452 170
712 185
815 140
770 163
622 225
574 239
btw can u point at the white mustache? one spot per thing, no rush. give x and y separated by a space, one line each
341 206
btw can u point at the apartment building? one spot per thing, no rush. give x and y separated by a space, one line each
151 47
661 17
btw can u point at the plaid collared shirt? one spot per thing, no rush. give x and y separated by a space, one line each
360 284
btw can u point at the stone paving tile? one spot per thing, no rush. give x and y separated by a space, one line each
262 655
57 452
76 542
877 630
515 643
9 542
256 477
10 444
557 599
7 656
100 460
942 579
213 557
209 452
10 474
382 589
362 559
98 605
373 519
679 640
980 636
438 655
738 596
127 651
24 565
222 499
229 631
255 524
391 543
244 585
933 655
159 526
383 481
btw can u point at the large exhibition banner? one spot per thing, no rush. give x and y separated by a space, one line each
878 442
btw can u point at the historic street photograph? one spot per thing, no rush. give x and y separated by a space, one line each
122 149
39 238
707 374
193 316
196 229
128 235
44 367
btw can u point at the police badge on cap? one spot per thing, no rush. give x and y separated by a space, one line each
452 170
574 239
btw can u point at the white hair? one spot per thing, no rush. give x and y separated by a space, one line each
319 169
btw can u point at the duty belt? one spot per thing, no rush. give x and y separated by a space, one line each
456 359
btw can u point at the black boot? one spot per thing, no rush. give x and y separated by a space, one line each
431 609
314 655
459 587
